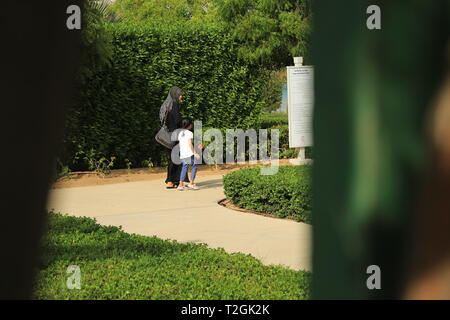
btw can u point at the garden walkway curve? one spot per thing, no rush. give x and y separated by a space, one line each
147 208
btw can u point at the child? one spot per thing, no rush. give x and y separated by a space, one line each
187 154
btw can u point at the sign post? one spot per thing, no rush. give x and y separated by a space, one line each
300 108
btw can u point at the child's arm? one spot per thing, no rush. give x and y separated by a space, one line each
192 149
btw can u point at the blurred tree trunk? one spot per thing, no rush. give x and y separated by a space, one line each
374 89
39 64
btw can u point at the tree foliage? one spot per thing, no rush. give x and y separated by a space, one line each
95 39
269 32
165 11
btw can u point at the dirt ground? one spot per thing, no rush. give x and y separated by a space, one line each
82 179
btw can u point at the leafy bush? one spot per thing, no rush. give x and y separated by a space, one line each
117 112
267 123
118 265
273 91
289 154
279 120
287 194
269 32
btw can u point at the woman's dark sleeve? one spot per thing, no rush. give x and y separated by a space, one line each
176 115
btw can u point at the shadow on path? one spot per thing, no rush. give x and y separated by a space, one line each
210 184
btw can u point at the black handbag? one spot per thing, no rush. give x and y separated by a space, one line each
164 137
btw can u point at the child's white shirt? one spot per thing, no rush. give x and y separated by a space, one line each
185 149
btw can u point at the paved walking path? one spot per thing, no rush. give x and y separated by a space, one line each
147 208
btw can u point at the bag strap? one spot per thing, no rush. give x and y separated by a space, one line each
165 119
166 115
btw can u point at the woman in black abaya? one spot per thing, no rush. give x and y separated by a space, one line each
170 111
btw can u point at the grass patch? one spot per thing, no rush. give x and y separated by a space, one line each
270 120
118 265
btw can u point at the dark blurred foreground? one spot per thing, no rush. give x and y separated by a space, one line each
382 150
382 143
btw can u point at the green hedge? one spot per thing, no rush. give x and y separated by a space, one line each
287 194
118 265
117 112
279 120
270 120
284 150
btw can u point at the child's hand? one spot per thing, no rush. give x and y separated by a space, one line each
197 156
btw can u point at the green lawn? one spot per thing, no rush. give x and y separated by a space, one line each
269 120
118 265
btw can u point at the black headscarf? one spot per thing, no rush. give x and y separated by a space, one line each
170 102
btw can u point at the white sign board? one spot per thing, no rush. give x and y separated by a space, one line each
300 105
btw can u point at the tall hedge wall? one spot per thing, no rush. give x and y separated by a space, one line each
117 112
